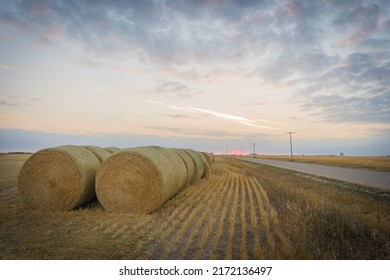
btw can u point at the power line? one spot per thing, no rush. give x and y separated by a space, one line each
254 150
291 132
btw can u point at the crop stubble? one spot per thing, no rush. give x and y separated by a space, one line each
225 217
231 215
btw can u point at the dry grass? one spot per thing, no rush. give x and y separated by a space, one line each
244 210
370 162
327 219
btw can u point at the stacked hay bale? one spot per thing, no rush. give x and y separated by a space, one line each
207 162
136 180
112 149
60 178
212 157
100 153
198 164
139 180
189 164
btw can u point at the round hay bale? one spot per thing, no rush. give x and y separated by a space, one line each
179 169
207 168
208 158
60 178
100 153
198 163
189 164
112 149
139 180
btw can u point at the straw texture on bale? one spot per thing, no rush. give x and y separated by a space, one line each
207 167
100 153
60 178
189 164
179 171
208 158
139 180
198 163
112 149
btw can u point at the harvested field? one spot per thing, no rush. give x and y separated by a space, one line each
243 211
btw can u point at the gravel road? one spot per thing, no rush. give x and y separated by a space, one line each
353 175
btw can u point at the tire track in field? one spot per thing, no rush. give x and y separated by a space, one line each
203 249
221 222
232 219
243 219
158 233
261 203
169 227
186 233
256 254
284 246
228 216
204 222
154 230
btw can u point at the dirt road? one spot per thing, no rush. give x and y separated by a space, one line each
353 175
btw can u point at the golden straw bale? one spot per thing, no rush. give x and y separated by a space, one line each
60 178
139 180
100 153
189 164
207 168
112 149
179 169
198 163
208 158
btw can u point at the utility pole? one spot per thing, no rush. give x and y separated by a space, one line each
241 151
254 151
291 132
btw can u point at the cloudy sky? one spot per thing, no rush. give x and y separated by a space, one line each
211 75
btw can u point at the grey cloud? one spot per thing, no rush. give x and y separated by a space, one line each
166 31
363 69
179 116
229 10
222 134
297 44
179 31
174 89
366 16
355 91
364 21
375 44
6 103
353 109
284 38
16 100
